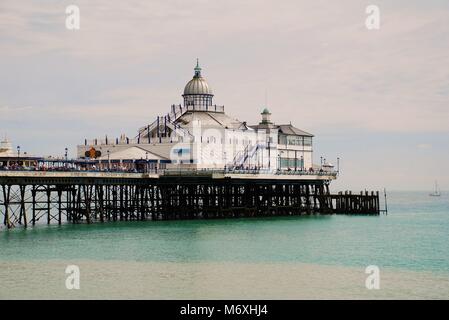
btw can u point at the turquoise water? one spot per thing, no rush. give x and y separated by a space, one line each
413 236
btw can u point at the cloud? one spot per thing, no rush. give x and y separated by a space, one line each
320 66
424 146
5 110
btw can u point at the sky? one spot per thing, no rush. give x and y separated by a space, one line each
377 99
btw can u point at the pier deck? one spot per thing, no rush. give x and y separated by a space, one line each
214 174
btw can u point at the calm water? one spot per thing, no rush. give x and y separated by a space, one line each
412 239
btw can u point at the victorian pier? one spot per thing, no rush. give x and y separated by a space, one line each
29 198
195 161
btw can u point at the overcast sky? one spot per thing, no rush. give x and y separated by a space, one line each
378 99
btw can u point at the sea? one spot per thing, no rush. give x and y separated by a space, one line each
400 255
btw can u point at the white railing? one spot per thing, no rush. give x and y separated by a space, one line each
212 108
206 171
248 153
166 172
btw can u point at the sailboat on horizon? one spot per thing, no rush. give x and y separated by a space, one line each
436 192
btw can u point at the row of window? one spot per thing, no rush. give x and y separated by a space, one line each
290 163
289 140
295 140
286 140
198 100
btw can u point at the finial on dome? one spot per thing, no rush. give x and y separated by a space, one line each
197 68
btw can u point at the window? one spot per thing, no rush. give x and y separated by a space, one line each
290 163
307 141
282 139
295 140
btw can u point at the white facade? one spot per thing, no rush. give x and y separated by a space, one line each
6 149
200 135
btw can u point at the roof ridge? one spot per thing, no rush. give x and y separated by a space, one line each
302 132
221 124
150 152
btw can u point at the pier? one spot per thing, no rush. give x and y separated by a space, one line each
30 198
193 162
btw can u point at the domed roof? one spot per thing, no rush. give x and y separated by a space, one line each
198 85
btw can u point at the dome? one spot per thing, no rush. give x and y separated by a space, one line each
198 85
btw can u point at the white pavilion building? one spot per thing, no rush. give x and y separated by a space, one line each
200 135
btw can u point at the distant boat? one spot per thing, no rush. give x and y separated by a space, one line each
436 192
